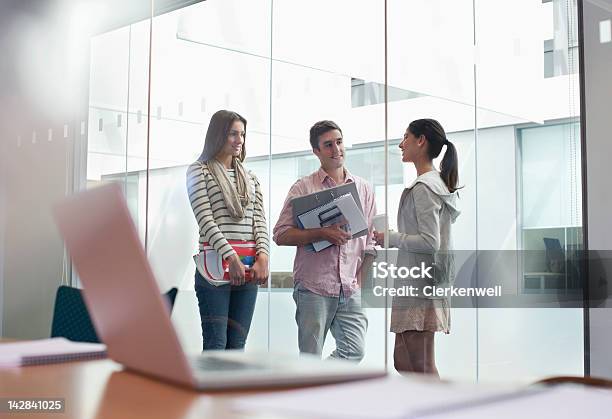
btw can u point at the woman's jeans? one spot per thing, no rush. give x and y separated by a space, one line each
226 312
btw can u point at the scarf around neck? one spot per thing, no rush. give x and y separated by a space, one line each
236 196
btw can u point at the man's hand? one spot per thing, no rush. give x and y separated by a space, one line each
236 270
335 234
259 271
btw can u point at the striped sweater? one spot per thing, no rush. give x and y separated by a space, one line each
214 221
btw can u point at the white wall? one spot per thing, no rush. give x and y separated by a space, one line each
41 89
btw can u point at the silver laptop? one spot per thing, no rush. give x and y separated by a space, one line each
133 319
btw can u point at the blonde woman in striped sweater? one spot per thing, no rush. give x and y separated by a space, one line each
228 206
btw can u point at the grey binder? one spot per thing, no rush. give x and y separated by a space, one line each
303 204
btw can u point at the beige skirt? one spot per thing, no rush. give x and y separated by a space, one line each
409 313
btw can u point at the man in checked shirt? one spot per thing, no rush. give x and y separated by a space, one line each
327 283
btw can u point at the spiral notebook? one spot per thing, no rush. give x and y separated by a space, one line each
48 351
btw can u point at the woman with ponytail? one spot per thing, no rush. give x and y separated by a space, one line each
427 209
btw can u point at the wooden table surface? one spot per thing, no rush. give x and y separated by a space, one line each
102 389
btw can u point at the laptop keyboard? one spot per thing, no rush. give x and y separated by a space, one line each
210 363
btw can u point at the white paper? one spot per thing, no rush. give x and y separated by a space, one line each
12 354
391 397
560 402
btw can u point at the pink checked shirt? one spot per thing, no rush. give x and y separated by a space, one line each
326 271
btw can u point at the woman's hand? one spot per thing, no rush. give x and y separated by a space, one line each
379 238
236 270
259 271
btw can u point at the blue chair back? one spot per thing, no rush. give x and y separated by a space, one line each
71 319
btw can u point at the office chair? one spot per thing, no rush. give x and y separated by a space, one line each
71 319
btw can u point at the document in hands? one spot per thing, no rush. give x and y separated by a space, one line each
342 210
46 351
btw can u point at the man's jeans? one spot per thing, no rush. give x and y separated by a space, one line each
316 314
226 312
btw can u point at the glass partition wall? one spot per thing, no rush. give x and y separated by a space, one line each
528 181
430 58
506 95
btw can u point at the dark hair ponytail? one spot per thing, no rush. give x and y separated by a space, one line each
449 167
436 138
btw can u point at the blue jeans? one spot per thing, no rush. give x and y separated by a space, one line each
315 315
226 312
